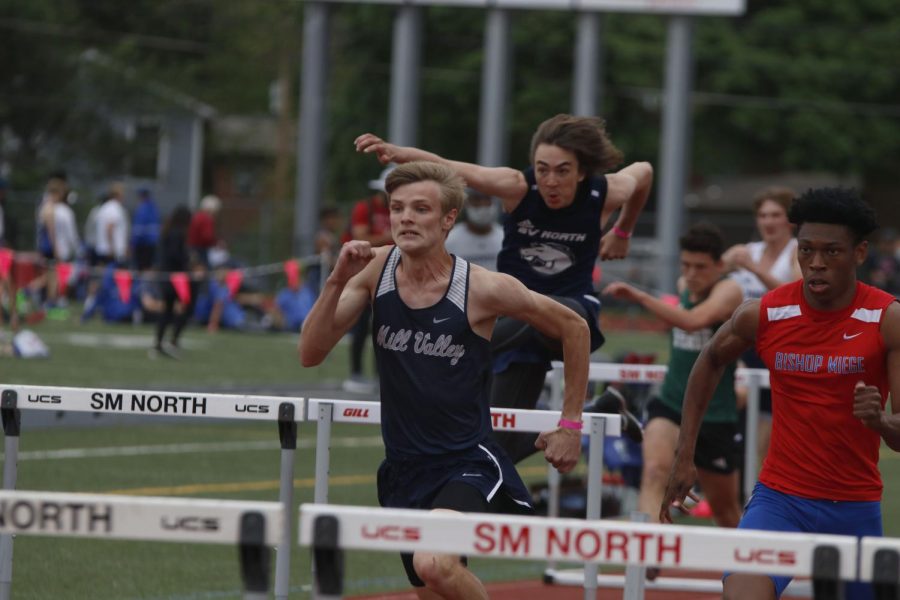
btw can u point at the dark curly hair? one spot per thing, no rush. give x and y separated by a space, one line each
703 237
835 206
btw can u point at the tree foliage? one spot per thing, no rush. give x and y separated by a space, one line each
791 85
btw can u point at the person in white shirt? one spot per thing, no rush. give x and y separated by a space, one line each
479 239
762 266
112 228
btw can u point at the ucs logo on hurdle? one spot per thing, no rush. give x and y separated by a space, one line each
45 398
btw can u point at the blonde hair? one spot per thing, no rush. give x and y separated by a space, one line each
210 204
452 186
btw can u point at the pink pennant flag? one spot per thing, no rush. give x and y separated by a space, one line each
6 260
233 280
292 270
63 271
182 285
123 283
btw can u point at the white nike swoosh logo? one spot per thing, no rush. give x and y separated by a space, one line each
850 337
436 320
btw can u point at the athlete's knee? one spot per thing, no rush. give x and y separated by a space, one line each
435 569
655 471
743 586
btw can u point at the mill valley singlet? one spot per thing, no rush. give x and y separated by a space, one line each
684 349
553 251
435 371
819 449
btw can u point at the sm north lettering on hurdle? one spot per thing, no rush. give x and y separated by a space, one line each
251 526
828 559
56 519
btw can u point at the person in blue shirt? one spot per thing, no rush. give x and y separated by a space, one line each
145 228
557 211
433 317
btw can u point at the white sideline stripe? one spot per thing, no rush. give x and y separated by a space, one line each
577 540
373 441
133 518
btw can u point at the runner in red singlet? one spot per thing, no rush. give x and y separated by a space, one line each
832 347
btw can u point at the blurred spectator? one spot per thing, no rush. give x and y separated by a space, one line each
882 267
479 239
90 230
202 231
145 230
370 221
328 246
292 306
9 237
759 267
764 265
57 236
110 230
9 230
216 308
174 257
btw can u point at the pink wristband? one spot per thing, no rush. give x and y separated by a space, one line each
569 424
621 233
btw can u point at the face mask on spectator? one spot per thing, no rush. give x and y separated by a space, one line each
481 215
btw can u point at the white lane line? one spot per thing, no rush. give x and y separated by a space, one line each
189 448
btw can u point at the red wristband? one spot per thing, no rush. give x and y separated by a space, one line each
621 233
569 424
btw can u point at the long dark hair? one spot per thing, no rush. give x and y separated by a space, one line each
178 221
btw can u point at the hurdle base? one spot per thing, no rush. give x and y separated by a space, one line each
575 577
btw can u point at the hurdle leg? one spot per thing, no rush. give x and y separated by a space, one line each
594 494
635 576
886 574
287 433
323 451
827 583
751 432
254 556
553 477
328 559
12 421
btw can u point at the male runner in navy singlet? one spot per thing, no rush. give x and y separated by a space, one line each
433 319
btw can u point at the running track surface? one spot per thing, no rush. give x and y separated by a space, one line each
535 590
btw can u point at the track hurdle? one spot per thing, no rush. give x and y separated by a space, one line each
597 426
253 526
754 379
285 411
879 563
330 530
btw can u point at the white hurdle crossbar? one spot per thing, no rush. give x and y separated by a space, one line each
330 529
325 411
253 526
285 411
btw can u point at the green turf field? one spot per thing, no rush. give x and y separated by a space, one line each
224 460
